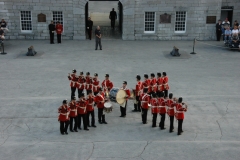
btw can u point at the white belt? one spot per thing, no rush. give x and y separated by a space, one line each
154 106
95 86
63 114
73 82
161 106
170 108
180 111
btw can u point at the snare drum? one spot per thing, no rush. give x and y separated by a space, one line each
107 107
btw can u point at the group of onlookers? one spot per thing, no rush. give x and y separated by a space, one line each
3 25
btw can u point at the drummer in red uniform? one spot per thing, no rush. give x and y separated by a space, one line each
123 107
165 84
152 85
159 84
88 85
90 109
59 30
145 102
180 109
80 84
63 117
100 100
146 83
95 84
170 111
107 85
82 112
162 110
138 89
73 114
73 80
154 107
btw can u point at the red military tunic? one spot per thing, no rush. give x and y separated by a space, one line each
107 85
145 100
96 85
138 88
159 84
73 80
162 105
170 110
165 83
100 100
73 109
146 84
82 106
63 113
152 85
81 83
88 85
128 92
180 111
59 29
90 103
154 105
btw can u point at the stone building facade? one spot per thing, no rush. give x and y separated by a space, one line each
142 19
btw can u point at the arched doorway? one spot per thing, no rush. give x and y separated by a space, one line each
99 11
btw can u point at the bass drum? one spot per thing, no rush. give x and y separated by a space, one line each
113 93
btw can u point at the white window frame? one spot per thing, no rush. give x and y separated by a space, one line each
55 21
150 21
25 31
182 31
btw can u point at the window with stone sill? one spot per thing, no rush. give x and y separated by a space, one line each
149 22
26 21
58 16
180 22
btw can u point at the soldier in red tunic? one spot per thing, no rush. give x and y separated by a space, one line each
146 83
100 100
90 109
170 111
137 104
165 84
63 117
107 85
180 114
152 85
159 84
88 85
95 84
73 80
59 30
82 112
154 106
73 114
162 110
123 107
80 84
145 102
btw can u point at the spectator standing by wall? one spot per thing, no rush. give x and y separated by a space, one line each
98 38
59 30
113 17
218 29
51 28
89 27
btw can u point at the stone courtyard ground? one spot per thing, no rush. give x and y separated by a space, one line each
32 89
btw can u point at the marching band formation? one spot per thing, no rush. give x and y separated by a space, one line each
148 94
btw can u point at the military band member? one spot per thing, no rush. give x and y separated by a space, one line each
159 84
73 114
165 84
123 107
180 109
154 107
145 102
88 85
146 82
162 110
138 90
100 100
107 85
63 117
80 84
152 85
82 112
95 84
73 79
170 111
90 109
59 30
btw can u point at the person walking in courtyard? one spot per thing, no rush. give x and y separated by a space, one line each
89 28
98 38
113 17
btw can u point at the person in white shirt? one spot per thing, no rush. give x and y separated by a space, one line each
235 30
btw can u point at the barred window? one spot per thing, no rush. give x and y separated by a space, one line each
149 20
180 22
26 21
58 16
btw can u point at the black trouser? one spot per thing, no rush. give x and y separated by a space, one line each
93 118
80 91
89 33
73 89
88 91
180 122
98 42
161 124
218 32
64 126
151 94
113 23
144 115
158 93
71 123
154 119
165 93
138 104
95 93
171 123
100 113
84 118
51 37
59 38
123 109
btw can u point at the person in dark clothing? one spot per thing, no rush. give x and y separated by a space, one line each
113 17
51 28
219 30
3 23
89 27
98 38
